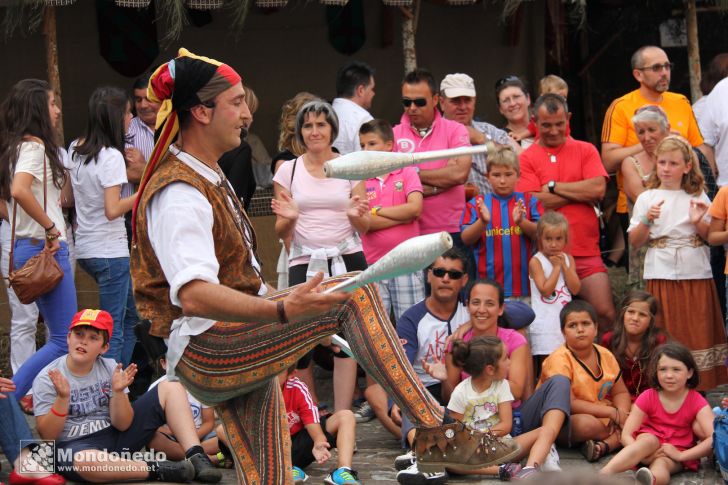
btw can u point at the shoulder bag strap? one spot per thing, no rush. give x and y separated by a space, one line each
293 172
15 208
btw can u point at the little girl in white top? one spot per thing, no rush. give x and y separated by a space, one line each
552 273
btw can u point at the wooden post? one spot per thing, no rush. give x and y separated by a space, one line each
51 47
691 21
409 30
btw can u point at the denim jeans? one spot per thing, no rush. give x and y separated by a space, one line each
116 297
57 307
13 427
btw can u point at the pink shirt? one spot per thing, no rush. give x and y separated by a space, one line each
388 191
322 203
512 340
440 212
675 429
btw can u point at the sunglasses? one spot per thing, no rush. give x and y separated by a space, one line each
500 82
419 102
658 67
452 273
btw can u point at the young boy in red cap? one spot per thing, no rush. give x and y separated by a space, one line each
81 402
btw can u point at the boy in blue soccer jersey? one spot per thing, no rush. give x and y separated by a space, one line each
500 227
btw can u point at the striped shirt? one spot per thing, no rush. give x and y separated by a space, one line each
503 251
141 137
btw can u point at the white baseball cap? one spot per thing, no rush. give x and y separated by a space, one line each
455 85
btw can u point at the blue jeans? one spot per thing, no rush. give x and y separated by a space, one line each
116 297
13 427
57 307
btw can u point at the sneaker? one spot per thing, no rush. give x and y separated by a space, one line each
457 445
551 462
644 476
341 476
205 471
175 471
507 471
525 473
364 414
403 462
412 476
299 476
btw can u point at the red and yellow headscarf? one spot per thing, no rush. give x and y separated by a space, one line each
179 85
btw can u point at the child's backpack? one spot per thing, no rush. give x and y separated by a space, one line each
720 441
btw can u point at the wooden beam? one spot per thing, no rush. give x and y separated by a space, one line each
691 21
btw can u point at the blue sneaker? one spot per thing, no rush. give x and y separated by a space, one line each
299 476
342 476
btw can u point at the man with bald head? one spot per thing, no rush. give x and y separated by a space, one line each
651 68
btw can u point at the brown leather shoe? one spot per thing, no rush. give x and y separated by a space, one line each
457 445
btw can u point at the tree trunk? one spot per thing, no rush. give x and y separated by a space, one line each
691 20
51 47
409 30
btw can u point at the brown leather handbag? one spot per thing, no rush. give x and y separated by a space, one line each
41 273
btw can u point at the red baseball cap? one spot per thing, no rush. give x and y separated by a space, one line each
98 319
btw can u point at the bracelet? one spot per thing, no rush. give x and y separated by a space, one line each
60 415
52 237
434 189
375 210
644 220
281 309
53 224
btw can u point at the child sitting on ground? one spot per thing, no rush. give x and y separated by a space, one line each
660 430
634 338
600 402
320 434
500 227
204 417
81 402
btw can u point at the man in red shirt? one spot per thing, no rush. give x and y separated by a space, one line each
567 176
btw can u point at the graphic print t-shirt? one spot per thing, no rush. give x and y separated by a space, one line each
88 410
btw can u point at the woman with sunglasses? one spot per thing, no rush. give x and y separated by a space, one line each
29 157
322 218
513 103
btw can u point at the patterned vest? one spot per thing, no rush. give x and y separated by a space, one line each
151 289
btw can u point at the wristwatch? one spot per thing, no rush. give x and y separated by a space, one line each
552 186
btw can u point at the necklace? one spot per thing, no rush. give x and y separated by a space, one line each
552 155
423 131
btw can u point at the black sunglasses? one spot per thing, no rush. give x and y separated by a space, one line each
500 82
419 102
452 273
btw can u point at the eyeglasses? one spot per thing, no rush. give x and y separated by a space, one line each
500 82
419 102
657 67
452 273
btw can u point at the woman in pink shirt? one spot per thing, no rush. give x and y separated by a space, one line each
320 220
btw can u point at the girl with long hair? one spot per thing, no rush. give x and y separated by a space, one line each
29 154
97 168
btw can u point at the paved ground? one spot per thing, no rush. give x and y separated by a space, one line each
377 450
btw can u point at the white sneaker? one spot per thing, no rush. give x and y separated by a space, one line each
551 463
402 462
412 476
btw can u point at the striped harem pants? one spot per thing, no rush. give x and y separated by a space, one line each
234 366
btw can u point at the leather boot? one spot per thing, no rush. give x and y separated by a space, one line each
457 445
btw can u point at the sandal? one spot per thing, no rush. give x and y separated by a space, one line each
593 450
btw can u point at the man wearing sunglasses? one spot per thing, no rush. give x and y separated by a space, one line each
457 101
651 69
423 129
